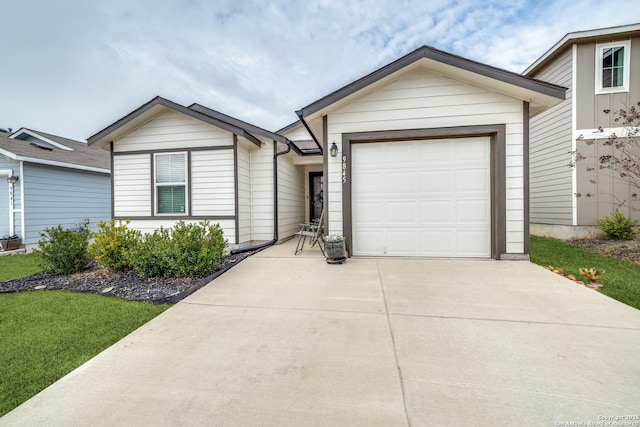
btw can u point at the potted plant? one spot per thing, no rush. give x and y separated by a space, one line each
334 246
10 243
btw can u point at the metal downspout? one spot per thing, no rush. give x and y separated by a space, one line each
275 205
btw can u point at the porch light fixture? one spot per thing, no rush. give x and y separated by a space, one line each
333 150
12 179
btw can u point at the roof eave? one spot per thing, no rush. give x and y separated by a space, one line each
102 137
438 56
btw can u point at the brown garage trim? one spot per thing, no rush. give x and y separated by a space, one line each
497 135
525 172
113 206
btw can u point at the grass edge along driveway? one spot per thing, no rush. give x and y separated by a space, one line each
47 334
621 279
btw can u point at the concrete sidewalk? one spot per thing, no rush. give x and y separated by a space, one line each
284 340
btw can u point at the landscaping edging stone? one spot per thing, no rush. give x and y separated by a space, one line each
126 285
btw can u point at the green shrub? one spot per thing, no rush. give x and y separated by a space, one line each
186 250
618 226
63 251
113 244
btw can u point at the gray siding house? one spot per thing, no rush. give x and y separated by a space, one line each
601 69
46 180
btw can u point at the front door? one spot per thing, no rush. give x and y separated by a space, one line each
316 195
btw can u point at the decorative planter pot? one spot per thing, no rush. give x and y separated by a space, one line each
10 244
335 252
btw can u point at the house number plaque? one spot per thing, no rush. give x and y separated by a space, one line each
344 169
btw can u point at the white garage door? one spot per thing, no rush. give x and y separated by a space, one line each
422 198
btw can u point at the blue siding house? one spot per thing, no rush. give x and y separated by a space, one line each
46 180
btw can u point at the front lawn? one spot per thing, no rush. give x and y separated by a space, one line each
620 281
16 266
47 334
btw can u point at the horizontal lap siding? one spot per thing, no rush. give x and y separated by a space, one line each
132 185
551 191
64 196
421 99
244 195
172 130
148 226
212 183
290 196
261 164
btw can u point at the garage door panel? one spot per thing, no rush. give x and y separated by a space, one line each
369 214
472 180
370 242
472 150
428 198
402 213
401 182
472 243
473 212
436 212
437 243
436 151
399 152
435 181
401 243
370 184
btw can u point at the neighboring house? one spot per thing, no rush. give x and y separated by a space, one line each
431 157
171 163
47 180
601 69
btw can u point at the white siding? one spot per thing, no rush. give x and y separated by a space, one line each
132 185
261 164
421 99
290 196
551 192
148 226
173 130
212 183
244 194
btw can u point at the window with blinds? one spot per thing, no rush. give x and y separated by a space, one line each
171 183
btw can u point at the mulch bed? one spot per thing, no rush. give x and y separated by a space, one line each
127 285
628 250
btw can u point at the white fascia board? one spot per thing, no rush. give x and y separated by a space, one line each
61 164
40 137
581 35
8 154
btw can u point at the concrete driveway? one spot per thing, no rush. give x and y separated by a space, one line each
284 340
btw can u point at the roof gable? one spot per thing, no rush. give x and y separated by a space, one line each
152 109
540 94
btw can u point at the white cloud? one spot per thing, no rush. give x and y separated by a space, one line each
74 67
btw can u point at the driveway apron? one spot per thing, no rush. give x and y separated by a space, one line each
290 340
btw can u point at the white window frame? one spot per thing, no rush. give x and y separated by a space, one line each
156 184
626 44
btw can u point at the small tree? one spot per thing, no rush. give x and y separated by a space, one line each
623 154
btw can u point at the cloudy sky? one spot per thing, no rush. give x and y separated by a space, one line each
73 67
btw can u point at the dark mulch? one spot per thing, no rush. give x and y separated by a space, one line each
628 250
127 285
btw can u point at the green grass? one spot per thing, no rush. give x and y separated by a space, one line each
15 266
621 280
47 334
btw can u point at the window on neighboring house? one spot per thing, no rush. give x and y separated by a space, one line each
612 67
171 183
